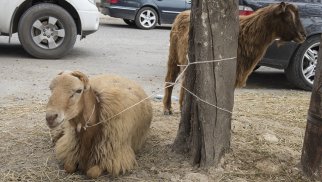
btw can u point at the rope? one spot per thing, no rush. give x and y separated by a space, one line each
87 126
89 119
170 84
211 61
198 98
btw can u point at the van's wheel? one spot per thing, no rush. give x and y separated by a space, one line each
146 18
129 22
47 31
301 70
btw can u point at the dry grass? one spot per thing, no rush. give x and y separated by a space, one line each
27 154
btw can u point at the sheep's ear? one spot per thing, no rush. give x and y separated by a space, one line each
65 72
82 77
281 8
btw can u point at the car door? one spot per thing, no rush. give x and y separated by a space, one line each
169 9
7 10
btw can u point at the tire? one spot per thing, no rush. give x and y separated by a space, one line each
47 31
301 70
130 22
147 18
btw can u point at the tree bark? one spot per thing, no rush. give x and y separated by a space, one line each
311 159
205 130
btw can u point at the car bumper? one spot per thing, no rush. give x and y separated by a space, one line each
90 21
119 11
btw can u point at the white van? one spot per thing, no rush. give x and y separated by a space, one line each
48 28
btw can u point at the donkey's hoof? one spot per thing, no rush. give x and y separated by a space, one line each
167 112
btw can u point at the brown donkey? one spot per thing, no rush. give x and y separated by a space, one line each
256 33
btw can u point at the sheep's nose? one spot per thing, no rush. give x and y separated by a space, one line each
51 117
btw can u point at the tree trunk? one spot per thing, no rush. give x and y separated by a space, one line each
204 130
312 148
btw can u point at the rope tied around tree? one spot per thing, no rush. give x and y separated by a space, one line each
171 84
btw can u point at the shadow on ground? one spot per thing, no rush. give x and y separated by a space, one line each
13 50
263 79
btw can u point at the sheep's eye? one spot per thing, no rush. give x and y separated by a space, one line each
79 91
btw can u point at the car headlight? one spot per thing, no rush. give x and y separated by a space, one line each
92 1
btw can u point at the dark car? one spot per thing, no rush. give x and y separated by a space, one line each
145 14
298 60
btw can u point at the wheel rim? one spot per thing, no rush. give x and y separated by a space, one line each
309 61
147 18
48 32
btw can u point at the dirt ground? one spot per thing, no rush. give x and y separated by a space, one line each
267 136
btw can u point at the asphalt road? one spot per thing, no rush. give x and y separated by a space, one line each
115 48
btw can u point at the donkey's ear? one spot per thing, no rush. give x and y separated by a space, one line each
281 8
82 77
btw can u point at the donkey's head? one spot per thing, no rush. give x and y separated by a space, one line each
67 97
287 23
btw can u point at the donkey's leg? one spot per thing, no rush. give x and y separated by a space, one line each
172 74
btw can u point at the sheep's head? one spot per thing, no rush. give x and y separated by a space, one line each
66 100
287 23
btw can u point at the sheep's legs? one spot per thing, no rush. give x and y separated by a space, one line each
123 160
172 74
94 172
69 167
57 135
